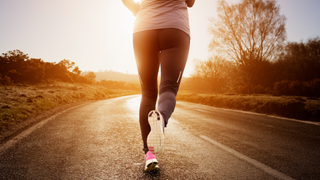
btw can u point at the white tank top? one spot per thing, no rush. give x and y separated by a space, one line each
160 14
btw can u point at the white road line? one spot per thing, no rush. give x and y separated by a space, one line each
249 160
272 116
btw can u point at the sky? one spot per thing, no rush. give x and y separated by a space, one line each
97 34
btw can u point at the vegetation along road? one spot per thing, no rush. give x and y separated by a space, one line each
101 140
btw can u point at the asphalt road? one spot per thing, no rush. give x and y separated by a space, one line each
101 140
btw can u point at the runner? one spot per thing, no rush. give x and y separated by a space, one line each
161 37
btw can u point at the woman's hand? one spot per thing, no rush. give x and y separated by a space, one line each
132 6
190 3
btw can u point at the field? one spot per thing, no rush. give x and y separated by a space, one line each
302 108
22 105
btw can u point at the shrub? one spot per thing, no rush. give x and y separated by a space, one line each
312 88
296 88
250 89
258 89
243 89
281 88
6 81
308 88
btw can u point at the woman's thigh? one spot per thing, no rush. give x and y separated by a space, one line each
168 47
146 52
174 45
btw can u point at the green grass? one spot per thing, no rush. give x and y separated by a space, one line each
302 108
21 102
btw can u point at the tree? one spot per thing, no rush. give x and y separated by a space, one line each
67 64
249 33
76 71
12 63
91 76
300 61
17 67
214 73
33 70
12 60
16 56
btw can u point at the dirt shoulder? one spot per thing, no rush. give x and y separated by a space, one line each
23 106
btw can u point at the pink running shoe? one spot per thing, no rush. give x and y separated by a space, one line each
155 138
151 162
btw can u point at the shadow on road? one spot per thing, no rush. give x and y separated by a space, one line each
151 175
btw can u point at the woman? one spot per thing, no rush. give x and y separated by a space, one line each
161 36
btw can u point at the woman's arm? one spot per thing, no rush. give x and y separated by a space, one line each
190 2
132 6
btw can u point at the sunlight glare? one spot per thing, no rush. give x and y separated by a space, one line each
134 103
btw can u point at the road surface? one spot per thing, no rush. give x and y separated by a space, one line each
101 140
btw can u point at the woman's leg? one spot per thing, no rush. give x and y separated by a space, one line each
147 58
170 48
174 45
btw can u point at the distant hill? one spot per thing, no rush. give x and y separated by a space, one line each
116 76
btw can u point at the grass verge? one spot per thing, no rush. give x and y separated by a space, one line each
21 102
296 107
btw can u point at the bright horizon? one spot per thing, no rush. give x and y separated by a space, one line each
97 35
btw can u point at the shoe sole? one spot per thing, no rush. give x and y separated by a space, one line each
155 138
151 165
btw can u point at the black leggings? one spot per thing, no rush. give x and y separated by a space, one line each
168 48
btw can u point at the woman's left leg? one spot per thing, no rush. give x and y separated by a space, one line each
146 51
174 45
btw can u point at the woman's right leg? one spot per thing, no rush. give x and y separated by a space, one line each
147 58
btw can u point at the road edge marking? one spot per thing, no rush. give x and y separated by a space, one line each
4 147
255 113
249 160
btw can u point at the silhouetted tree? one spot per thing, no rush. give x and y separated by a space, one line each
76 71
17 67
300 61
12 64
67 64
214 73
3 65
91 76
12 60
250 33
33 70
60 71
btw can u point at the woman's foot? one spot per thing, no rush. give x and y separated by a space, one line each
155 139
151 162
